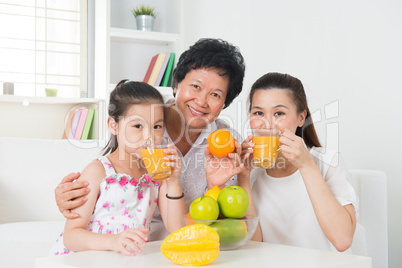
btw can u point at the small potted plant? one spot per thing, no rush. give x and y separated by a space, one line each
144 17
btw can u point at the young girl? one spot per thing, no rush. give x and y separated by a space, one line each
306 199
123 198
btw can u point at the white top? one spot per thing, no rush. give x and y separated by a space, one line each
284 207
192 176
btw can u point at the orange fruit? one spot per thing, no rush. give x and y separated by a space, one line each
191 245
189 222
221 142
213 192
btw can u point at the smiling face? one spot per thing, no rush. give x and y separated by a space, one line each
140 122
275 108
201 96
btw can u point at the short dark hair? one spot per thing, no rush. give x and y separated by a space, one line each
213 53
125 94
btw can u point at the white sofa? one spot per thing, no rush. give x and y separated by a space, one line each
30 169
371 236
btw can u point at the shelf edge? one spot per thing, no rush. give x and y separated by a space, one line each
45 100
157 38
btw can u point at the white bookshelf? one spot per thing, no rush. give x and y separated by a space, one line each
44 117
122 51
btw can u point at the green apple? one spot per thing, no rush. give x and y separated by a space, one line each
231 231
233 202
204 208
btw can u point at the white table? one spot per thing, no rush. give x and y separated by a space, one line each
253 254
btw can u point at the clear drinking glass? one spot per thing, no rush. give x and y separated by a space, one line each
266 147
152 155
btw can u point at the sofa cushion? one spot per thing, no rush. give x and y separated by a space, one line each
31 169
22 242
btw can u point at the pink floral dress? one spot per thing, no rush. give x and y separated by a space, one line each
123 203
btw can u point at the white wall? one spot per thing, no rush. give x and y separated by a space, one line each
347 53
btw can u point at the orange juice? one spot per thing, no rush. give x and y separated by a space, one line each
155 165
265 151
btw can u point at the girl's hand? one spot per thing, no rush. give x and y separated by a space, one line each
294 149
127 238
247 156
173 161
219 170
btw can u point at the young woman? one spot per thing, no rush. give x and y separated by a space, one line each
306 198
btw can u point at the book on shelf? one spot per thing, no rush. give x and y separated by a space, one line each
69 122
157 68
74 124
162 71
150 68
81 123
88 125
167 77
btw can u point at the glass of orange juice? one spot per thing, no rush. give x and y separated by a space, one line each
152 155
266 147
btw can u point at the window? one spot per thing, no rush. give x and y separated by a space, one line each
43 45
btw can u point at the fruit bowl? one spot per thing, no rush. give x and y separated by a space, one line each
233 233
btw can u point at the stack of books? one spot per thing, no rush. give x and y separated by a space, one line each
79 124
160 70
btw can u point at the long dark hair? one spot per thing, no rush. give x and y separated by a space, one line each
125 94
295 88
213 53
